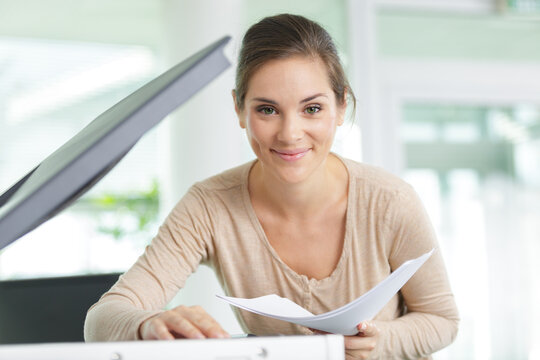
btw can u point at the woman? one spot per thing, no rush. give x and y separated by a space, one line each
299 221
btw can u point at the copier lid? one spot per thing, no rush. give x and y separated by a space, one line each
80 163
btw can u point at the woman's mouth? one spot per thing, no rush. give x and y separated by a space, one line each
291 155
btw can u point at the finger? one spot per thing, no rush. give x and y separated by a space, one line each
356 355
208 326
367 328
205 323
202 321
182 326
159 331
359 343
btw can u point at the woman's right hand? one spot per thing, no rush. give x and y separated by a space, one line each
190 322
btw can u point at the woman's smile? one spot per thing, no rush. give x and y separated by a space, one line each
291 155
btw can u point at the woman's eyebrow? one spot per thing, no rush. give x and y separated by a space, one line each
309 98
265 100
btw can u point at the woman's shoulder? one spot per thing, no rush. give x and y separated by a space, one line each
228 179
376 178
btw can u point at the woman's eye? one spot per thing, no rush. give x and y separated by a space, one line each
267 110
312 109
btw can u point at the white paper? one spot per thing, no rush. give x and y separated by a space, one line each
339 321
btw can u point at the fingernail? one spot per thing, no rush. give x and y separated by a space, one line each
363 327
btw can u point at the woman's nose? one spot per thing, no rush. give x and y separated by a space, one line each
291 129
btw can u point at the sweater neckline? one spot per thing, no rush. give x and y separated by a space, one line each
312 282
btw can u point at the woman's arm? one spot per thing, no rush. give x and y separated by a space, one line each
431 319
183 241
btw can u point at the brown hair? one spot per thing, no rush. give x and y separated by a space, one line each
283 36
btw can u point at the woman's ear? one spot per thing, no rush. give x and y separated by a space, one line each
239 113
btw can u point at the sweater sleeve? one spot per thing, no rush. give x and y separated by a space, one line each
183 241
431 319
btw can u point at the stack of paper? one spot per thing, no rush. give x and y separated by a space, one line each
342 320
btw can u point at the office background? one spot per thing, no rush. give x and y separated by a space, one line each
449 99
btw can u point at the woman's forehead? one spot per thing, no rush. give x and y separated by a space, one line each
294 76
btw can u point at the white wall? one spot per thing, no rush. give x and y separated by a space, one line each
202 138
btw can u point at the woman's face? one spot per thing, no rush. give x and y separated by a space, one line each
290 115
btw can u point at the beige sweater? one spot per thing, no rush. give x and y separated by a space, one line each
215 224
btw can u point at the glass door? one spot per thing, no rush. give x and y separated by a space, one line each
477 169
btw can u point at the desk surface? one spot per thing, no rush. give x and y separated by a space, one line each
316 347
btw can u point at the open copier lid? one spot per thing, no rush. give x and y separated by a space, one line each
81 162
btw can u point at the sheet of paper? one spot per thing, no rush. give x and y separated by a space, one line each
339 321
269 305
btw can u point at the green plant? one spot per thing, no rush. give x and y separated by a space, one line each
123 214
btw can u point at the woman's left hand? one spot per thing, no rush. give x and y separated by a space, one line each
361 345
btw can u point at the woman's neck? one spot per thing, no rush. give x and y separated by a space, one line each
302 200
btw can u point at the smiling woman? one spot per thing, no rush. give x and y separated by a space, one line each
291 127
298 221
291 114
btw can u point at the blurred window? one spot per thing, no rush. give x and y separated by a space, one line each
521 6
49 90
477 171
